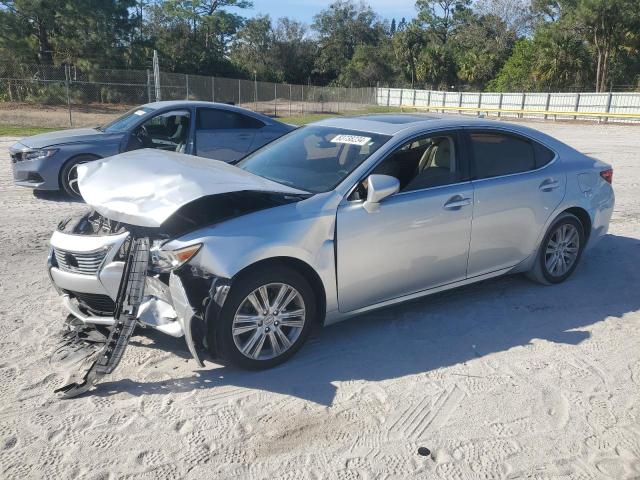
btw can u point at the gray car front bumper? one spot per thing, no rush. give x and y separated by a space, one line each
40 174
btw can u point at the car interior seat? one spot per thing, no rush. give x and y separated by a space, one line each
437 165
179 137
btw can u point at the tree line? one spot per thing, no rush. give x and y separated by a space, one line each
499 45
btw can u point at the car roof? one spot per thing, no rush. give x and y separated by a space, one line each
200 103
393 124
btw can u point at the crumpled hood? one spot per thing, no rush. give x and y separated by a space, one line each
145 187
61 137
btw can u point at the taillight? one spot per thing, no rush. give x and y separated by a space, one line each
607 175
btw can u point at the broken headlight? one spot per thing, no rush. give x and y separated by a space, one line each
166 260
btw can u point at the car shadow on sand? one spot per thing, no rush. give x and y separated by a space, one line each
437 331
56 196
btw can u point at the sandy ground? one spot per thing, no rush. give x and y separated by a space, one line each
504 379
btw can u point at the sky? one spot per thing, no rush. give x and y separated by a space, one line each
304 10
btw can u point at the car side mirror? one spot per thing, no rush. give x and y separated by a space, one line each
379 187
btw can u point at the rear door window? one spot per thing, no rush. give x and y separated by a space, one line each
216 119
496 154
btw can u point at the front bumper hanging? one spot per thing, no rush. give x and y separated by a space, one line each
130 295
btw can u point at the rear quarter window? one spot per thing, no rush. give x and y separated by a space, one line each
543 155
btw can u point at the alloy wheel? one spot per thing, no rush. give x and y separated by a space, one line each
72 179
268 321
562 250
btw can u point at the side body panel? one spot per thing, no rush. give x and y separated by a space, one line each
410 244
303 231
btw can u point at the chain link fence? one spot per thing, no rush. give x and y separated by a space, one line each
68 96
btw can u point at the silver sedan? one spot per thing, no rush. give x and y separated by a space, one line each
334 219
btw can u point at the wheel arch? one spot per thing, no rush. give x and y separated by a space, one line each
90 156
582 215
299 266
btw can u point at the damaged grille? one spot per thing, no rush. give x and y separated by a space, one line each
95 302
84 263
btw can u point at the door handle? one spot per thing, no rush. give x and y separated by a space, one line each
457 202
549 184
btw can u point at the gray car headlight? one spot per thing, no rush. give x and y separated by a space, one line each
39 154
166 260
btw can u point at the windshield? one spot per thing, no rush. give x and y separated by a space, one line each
126 121
313 158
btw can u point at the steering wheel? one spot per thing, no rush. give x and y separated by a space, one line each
143 136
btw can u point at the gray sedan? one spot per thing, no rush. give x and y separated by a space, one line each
222 132
334 219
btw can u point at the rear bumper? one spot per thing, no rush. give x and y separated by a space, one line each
603 203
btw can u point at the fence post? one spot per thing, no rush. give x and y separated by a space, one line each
546 105
255 92
388 98
156 76
275 99
479 102
187 84
149 85
213 89
499 105
67 74
239 92
577 105
609 97
459 102
444 99
302 95
524 97
401 94
429 100
289 99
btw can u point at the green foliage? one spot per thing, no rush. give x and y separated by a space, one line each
462 44
515 75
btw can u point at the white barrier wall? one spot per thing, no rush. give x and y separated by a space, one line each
596 103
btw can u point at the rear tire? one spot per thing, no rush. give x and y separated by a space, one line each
69 174
255 334
560 251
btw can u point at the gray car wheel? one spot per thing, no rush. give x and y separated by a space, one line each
559 251
69 174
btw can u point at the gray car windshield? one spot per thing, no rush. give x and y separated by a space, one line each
313 158
126 121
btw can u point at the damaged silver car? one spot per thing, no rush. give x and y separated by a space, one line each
331 220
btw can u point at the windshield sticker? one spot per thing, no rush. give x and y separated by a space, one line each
351 139
139 112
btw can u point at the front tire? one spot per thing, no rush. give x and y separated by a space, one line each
560 251
266 318
69 175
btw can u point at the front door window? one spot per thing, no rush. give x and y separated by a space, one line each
165 131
